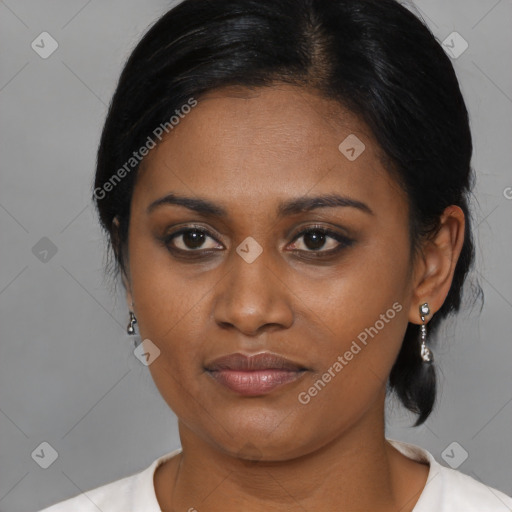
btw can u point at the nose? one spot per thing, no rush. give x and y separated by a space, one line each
253 297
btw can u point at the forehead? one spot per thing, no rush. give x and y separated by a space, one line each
250 147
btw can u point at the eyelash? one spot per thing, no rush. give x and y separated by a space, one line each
342 240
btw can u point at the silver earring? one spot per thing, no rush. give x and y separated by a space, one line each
131 329
426 353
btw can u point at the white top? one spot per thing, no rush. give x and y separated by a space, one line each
446 490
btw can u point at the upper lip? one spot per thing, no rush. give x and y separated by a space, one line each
261 361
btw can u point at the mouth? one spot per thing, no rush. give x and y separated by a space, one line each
254 375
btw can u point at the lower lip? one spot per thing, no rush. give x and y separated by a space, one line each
255 382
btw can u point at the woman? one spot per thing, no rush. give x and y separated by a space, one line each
284 186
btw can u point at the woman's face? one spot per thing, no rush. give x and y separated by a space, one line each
249 280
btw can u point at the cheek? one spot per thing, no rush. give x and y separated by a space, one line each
169 305
350 379
163 293
170 312
367 285
364 315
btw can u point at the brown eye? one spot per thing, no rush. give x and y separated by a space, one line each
193 239
317 238
189 240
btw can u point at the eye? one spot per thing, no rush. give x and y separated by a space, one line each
317 241
190 239
316 238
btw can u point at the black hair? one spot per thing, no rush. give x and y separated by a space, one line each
374 57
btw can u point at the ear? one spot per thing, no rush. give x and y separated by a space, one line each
124 272
435 265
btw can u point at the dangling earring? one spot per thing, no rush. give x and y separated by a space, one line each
426 353
131 329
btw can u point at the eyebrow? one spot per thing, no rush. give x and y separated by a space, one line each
289 207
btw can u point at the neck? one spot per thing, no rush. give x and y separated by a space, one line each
359 470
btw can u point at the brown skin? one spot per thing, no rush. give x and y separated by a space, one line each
247 152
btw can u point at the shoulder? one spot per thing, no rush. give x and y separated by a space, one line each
462 492
114 497
134 492
448 490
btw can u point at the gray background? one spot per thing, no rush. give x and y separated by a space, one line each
68 375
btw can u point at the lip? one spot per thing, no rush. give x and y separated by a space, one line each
254 375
